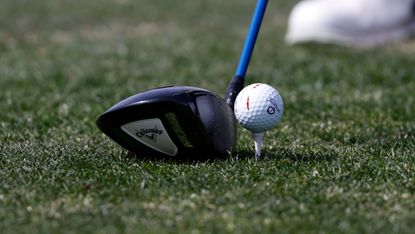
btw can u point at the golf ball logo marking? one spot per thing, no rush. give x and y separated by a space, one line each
274 103
258 107
271 110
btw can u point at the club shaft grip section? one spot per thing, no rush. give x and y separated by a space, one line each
236 85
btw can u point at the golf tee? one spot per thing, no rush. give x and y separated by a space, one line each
258 139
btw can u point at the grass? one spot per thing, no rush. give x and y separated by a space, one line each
341 161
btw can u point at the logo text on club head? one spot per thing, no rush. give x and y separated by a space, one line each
148 132
151 133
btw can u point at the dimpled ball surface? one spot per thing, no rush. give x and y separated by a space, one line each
258 107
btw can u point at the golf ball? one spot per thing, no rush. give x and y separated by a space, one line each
258 107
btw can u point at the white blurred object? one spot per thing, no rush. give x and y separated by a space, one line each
361 23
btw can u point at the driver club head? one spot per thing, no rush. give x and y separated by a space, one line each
177 121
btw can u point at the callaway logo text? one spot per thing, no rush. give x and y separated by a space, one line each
148 132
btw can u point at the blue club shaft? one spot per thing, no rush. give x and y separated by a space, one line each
251 38
238 81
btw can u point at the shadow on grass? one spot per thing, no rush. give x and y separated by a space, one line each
289 154
173 160
302 155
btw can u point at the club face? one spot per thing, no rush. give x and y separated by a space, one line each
178 122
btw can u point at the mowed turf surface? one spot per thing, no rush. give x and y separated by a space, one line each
341 161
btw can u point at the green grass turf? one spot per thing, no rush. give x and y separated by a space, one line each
341 161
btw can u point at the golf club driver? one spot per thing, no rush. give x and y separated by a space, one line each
181 121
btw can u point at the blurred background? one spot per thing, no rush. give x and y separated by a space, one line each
341 160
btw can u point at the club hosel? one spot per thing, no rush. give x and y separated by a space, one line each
235 86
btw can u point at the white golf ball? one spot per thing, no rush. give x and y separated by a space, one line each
258 107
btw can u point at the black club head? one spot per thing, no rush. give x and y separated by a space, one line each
177 121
